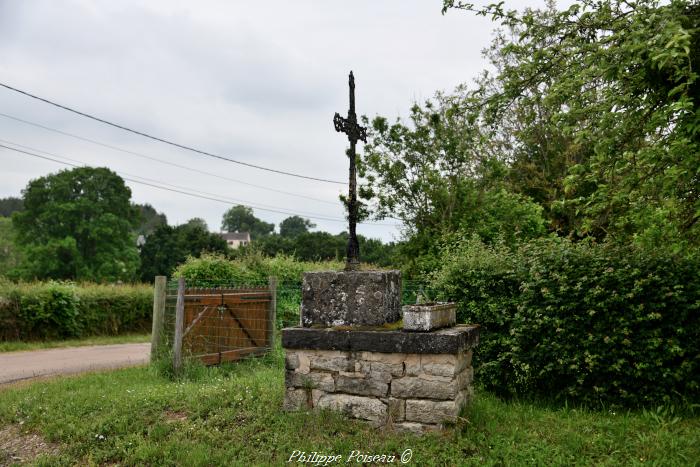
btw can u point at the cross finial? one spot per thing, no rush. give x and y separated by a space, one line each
355 133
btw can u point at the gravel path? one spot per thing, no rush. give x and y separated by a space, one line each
17 366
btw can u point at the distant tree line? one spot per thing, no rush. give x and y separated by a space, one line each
80 224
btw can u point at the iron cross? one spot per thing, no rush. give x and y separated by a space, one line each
355 132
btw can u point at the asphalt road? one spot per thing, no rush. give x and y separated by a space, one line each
17 366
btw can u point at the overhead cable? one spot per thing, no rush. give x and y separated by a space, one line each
181 191
165 141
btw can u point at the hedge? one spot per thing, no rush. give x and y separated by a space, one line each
57 310
253 268
596 324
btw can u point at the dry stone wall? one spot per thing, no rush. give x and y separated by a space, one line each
409 391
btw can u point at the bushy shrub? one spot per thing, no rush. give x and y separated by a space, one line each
55 310
581 322
252 268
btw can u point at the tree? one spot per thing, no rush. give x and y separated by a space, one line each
198 222
441 175
10 255
319 246
241 219
294 226
589 121
613 84
9 205
150 219
78 224
167 247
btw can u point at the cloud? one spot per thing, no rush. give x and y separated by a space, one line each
256 81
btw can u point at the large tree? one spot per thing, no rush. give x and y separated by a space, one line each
241 219
294 226
588 118
604 95
78 224
169 246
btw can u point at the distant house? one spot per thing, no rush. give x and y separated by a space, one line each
236 239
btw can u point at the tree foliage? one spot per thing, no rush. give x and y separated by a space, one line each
167 247
586 124
323 246
599 105
294 226
9 205
10 254
149 219
241 219
198 222
440 175
77 224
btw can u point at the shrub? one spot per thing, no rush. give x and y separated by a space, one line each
582 322
253 268
55 310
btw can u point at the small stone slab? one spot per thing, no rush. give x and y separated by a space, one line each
428 317
443 341
337 298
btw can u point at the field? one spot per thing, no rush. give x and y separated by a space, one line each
231 416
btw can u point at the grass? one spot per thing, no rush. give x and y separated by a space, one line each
231 416
13 346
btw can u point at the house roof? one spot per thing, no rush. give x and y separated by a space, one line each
235 236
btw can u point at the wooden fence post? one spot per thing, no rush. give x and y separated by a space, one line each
179 322
272 313
158 316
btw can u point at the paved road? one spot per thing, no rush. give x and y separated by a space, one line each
16 366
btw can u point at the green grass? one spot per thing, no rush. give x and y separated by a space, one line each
13 346
231 416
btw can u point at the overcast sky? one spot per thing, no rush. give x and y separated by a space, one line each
254 81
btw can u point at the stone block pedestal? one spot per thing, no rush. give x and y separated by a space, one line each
411 381
337 298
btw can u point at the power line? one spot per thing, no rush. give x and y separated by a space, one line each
155 138
233 200
177 189
211 198
184 167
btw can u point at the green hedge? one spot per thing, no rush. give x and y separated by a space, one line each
56 310
587 323
253 268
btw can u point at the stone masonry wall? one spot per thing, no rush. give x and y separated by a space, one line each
410 392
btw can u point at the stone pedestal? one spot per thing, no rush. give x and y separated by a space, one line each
340 298
411 381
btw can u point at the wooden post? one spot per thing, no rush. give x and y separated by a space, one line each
272 312
179 322
158 315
